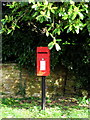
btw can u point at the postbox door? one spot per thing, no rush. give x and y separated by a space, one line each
43 63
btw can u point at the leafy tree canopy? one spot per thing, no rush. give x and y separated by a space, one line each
56 17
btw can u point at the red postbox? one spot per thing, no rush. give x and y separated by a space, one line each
43 61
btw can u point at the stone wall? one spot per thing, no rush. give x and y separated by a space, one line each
15 82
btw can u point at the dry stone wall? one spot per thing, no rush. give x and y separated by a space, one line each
15 82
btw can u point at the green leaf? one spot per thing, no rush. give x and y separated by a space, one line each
74 15
57 30
40 18
66 43
58 39
6 17
50 45
57 47
49 28
34 6
70 27
52 10
77 31
65 17
3 21
47 33
88 27
35 14
66 26
48 13
81 15
9 31
18 26
48 24
68 30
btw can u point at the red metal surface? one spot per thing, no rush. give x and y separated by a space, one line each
43 61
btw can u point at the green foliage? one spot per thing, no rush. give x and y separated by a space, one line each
32 108
9 101
56 17
50 45
84 101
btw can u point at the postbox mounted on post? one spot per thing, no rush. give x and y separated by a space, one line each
43 68
43 61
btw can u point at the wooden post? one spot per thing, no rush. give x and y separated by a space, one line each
43 92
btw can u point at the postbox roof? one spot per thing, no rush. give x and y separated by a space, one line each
42 49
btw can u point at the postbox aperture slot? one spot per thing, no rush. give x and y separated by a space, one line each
42 52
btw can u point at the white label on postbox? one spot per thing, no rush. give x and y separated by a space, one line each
42 65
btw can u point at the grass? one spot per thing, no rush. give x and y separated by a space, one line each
31 108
